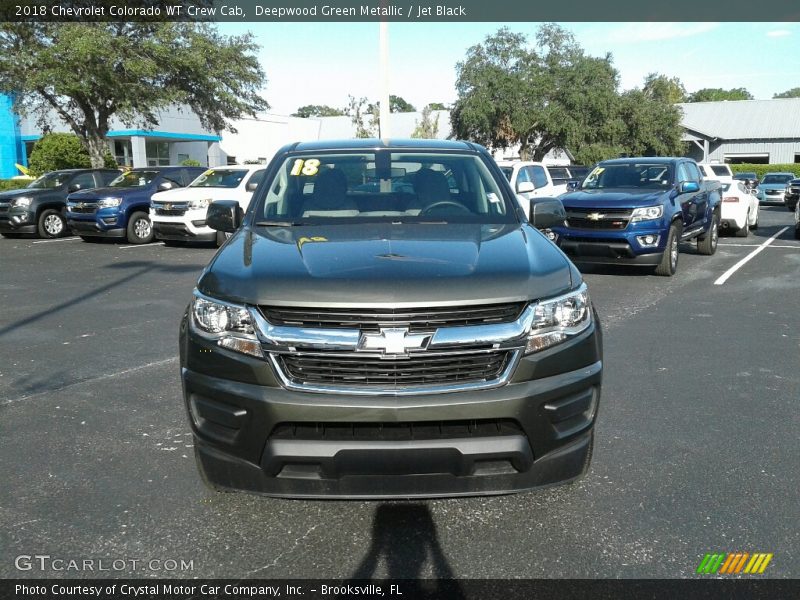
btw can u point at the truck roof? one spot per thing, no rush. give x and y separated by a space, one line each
666 160
373 143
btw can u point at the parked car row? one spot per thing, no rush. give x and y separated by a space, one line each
138 205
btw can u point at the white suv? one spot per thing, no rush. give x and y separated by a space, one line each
179 215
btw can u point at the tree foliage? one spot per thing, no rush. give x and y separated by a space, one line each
666 89
358 111
317 110
427 127
542 97
792 93
437 106
717 94
56 151
90 72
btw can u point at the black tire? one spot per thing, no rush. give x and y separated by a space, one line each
174 243
669 259
204 475
51 224
140 229
708 244
743 232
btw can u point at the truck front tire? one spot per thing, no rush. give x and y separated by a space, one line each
669 259
51 224
140 229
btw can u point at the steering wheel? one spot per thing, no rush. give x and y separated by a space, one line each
445 203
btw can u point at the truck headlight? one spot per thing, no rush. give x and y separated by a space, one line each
22 202
109 202
229 324
195 204
646 213
558 319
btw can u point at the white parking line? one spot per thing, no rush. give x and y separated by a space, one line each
150 245
796 247
66 239
747 258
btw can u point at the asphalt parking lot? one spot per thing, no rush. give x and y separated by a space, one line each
697 444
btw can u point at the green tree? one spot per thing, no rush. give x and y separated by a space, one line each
437 106
792 93
56 151
90 72
358 110
551 95
190 162
427 128
317 110
717 94
661 87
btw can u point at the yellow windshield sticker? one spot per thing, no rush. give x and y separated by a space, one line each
305 240
308 167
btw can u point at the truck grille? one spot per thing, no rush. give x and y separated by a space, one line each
174 210
598 218
84 208
416 319
422 369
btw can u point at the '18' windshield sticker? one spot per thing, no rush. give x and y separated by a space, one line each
308 167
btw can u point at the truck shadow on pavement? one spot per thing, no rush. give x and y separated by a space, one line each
405 541
142 268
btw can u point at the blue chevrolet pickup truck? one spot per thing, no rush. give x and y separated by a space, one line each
637 211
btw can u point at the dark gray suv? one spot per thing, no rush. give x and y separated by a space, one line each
386 323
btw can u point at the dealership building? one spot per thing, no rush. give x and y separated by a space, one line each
757 131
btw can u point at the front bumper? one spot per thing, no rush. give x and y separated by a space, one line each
612 248
17 220
765 198
252 434
189 227
103 223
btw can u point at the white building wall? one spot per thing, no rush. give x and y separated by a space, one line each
779 151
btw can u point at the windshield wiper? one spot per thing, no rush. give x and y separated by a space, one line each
279 223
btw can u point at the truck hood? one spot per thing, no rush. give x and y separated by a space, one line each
199 193
10 194
358 265
613 198
116 192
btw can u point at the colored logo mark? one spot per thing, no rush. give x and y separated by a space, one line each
733 563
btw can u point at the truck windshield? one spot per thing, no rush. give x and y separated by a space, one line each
383 186
220 178
629 175
134 179
777 179
49 181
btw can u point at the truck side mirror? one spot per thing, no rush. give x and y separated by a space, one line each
573 185
547 212
164 186
74 187
525 187
685 187
251 186
224 215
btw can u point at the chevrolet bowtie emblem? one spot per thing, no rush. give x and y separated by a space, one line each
393 341
167 206
595 216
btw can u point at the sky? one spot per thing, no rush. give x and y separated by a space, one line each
321 63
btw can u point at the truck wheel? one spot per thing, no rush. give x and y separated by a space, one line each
51 224
140 230
708 245
669 260
204 476
743 232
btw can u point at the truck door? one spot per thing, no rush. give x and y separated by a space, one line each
692 217
700 199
